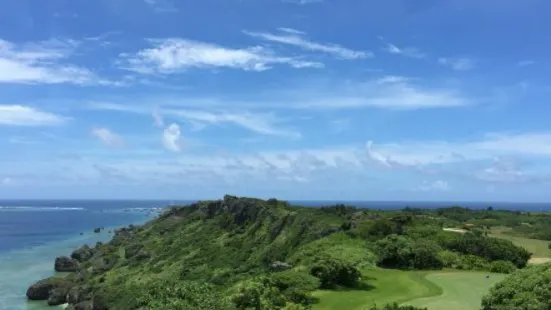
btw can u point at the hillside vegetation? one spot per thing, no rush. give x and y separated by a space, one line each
246 253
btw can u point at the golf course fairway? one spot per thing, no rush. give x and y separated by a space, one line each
434 290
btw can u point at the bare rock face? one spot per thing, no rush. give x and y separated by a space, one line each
65 264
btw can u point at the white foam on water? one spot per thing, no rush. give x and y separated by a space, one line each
39 208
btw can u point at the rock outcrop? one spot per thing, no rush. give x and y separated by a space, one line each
82 254
42 289
65 264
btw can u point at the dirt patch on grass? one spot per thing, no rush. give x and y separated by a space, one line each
457 230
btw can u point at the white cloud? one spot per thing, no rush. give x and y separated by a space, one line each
171 138
18 115
299 41
458 64
525 63
108 137
176 55
41 62
405 51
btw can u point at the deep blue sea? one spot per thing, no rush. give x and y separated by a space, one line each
33 233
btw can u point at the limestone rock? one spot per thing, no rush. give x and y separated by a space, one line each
65 264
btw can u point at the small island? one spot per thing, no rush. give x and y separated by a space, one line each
247 253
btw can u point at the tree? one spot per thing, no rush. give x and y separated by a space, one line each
395 306
404 253
502 266
528 289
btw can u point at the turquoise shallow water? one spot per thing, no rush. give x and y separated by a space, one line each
33 234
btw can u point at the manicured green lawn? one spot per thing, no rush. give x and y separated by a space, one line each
438 290
382 286
462 290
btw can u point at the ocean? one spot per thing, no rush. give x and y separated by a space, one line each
33 233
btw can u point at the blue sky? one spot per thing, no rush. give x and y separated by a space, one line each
295 99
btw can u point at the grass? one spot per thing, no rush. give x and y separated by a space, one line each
435 290
539 248
461 290
380 286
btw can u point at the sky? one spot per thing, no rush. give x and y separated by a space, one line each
295 99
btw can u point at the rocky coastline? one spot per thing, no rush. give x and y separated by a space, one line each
72 288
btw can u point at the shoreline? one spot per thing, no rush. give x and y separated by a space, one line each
24 266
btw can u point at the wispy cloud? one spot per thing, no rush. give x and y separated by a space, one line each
385 93
404 51
162 6
525 63
303 2
261 123
158 119
299 40
171 138
439 185
176 55
291 30
41 62
108 137
266 124
17 115
488 147
458 64
392 79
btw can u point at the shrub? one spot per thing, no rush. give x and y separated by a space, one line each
449 259
258 294
473 262
526 289
501 266
173 295
491 249
395 306
295 279
334 272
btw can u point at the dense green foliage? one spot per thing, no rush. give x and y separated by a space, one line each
402 252
245 253
491 249
526 289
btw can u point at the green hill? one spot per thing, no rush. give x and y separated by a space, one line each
245 253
